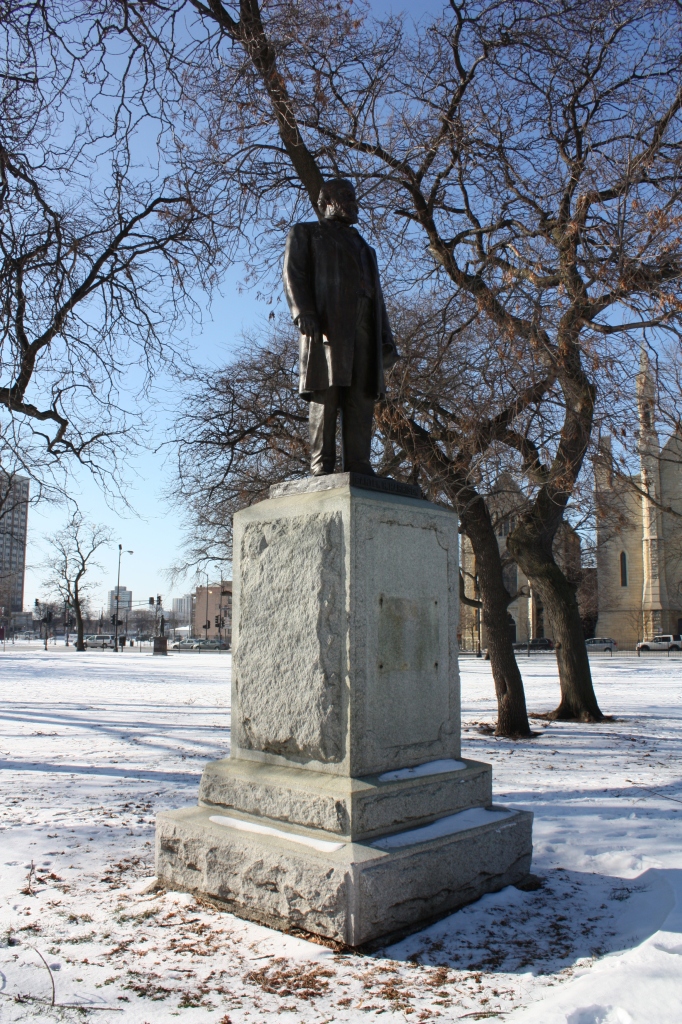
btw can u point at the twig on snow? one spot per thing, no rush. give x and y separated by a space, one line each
47 966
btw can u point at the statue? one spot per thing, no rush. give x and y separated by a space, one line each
332 286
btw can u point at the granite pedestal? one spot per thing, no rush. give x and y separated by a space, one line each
345 808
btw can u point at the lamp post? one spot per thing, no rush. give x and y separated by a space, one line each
118 593
206 623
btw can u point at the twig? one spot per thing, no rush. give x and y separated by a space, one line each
59 1006
650 789
481 1014
47 967
28 891
56 1005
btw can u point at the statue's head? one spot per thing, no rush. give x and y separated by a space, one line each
338 201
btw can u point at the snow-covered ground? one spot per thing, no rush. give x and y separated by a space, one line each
91 745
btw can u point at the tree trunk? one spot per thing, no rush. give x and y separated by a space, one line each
578 700
80 639
512 717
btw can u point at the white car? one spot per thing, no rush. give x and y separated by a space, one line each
664 642
99 640
601 644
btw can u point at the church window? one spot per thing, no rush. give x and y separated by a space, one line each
623 569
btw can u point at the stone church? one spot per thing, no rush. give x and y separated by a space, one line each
638 542
639 533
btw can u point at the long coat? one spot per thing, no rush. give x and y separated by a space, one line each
323 277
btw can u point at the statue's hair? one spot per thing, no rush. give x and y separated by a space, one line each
329 187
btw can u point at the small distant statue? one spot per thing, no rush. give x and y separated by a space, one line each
332 286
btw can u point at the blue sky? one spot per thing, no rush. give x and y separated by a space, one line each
154 531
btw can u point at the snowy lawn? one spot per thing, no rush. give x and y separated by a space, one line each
92 745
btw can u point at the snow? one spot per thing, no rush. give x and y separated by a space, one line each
92 745
447 826
278 833
447 764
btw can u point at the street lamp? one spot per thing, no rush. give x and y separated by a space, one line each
206 623
118 592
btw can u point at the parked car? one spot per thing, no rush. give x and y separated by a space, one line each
664 642
99 640
211 645
601 644
539 644
184 645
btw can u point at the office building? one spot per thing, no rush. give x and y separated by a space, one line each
213 611
13 525
182 608
125 600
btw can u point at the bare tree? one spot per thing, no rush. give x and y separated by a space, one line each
70 560
101 250
525 154
533 146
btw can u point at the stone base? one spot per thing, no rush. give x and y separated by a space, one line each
290 877
354 809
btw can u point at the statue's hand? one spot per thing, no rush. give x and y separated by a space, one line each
390 357
309 325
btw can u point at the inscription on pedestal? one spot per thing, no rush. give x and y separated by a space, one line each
411 698
408 671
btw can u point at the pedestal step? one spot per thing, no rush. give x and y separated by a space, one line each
353 892
354 808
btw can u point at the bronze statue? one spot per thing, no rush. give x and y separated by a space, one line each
332 286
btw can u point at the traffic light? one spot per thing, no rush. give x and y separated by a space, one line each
113 620
217 622
151 602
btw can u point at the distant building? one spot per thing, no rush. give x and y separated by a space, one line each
13 525
526 614
639 541
182 608
125 600
22 620
213 611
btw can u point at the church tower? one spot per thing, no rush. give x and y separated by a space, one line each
654 592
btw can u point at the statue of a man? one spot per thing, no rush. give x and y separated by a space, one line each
332 286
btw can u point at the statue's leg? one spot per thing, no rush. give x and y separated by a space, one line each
322 429
357 401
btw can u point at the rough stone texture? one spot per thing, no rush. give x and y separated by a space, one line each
344 631
354 809
288 660
334 480
354 894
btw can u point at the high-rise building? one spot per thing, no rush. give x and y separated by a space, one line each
13 524
182 608
125 600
